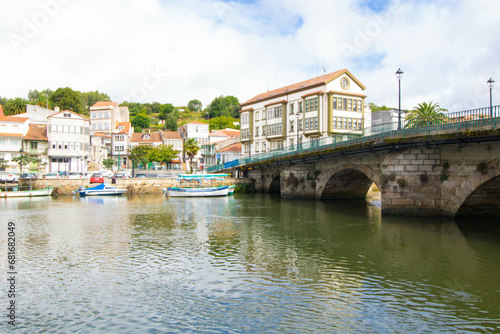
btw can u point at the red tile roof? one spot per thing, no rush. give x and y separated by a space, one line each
318 81
171 135
126 127
36 132
13 119
11 134
104 104
154 137
236 147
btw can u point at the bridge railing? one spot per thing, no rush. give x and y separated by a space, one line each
411 126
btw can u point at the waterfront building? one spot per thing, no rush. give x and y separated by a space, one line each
174 138
305 111
36 144
100 149
152 139
12 131
68 134
120 144
198 131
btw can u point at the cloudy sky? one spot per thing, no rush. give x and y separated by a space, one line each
173 51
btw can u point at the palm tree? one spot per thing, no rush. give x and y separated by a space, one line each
191 148
426 114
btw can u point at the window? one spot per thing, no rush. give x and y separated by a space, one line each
99 126
359 105
349 105
339 105
291 125
256 131
256 115
334 122
344 104
93 126
291 108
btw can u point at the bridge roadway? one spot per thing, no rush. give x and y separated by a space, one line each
440 170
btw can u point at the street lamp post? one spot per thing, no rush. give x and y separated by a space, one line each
399 75
491 83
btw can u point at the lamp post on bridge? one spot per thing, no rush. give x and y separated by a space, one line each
491 83
399 75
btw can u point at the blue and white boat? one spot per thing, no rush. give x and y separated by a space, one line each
101 190
195 191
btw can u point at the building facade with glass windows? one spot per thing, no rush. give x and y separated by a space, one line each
305 111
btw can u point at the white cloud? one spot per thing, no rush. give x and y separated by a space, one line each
201 49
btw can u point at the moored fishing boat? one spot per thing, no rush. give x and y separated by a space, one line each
196 191
101 190
27 193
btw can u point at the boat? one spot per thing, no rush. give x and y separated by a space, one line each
196 191
230 190
101 190
27 193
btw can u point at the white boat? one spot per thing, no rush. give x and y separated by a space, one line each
231 189
196 191
27 193
101 190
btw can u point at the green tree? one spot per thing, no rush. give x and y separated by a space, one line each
224 106
108 163
171 123
222 122
191 147
162 154
90 98
15 106
23 160
195 105
426 114
39 98
165 110
139 155
141 121
67 99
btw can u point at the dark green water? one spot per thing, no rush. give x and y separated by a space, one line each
245 264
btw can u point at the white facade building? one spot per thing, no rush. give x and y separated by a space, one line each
69 142
104 116
302 112
12 131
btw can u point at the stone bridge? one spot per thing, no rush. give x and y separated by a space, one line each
449 178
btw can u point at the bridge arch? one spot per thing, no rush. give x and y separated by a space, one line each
275 185
346 181
479 195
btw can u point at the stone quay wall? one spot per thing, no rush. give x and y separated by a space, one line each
133 186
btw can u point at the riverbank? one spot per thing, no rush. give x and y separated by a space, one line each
133 186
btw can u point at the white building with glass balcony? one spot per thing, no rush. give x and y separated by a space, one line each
306 111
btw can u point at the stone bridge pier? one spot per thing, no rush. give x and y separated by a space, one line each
447 180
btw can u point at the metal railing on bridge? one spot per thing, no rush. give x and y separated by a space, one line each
411 126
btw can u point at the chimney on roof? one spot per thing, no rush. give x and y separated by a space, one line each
56 109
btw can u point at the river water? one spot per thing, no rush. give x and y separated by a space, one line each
245 264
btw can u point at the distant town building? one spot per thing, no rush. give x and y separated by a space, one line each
221 152
104 116
198 131
100 149
174 138
305 111
218 135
